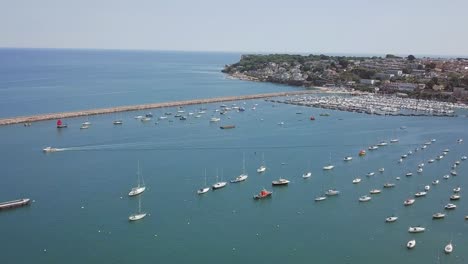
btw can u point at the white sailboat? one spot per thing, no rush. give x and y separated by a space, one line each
262 167
204 189
139 215
448 248
329 166
243 176
140 185
307 174
218 184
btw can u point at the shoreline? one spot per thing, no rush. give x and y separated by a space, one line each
128 108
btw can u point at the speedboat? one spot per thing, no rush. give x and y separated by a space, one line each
280 182
365 198
408 202
371 173
307 175
416 229
263 194
357 180
240 178
435 182
391 219
348 158
328 167
388 185
448 248
203 190
438 215
454 197
320 198
411 244
420 194
427 187
381 169
375 191
457 189
261 169
332 192
218 185
50 149
450 206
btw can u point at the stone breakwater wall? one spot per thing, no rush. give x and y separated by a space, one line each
51 116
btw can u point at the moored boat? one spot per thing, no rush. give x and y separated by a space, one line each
411 244
365 198
357 180
263 194
408 202
448 248
320 198
391 219
389 185
450 206
420 194
416 229
375 191
362 152
438 215
348 158
455 197
280 182
332 192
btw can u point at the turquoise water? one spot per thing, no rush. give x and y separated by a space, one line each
81 208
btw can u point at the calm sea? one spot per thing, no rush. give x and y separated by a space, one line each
81 207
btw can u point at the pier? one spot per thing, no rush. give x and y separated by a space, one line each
52 116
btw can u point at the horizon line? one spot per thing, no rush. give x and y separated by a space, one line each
352 54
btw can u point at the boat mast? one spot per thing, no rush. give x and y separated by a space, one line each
138 173
139 204
243 163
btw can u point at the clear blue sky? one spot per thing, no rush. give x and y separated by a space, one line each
310 26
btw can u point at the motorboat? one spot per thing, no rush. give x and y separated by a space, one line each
307 175
404 156
348 158
435 182
431 161
397 178
365 198
263 194
381 170
400 160
416 229
375 191
371 173
409 202
138 117
409 174
453 173
203 190
374 147
357 180
391 219
411 244
427 187
450 206
117 122
328 167
446 150
280 182
464 157
332 192
389 185
320 198
410 153
438 215
448 248
446 176
433 140
261 169
162 117
420 194
454 197
457 189
420 170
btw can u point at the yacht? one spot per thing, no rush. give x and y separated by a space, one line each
357 180
365 198
420 194
332 192
320 198
438 215
416 229
391 219
454 197
408 202
448 248
140 184
348 158
389 185
435 182
411 244
375 191
457 189
450 206
280 182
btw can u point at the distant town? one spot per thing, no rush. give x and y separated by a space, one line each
444 79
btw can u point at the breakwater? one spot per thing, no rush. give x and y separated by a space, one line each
100 111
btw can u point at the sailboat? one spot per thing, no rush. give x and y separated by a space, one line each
329 166
60 124
140 186
204 189
262 167
308 173
139 215
243 176
218 185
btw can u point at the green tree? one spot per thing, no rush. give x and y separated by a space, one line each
411 58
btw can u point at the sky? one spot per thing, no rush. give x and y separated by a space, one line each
289 26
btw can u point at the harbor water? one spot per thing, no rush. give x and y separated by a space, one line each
80 204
